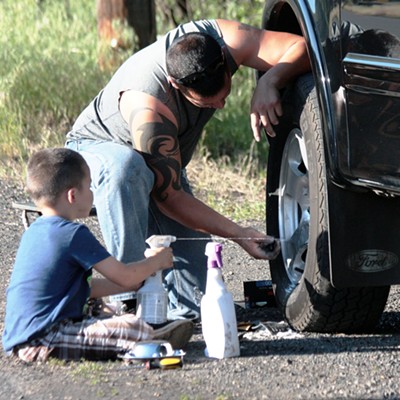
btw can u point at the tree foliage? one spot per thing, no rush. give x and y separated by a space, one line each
49 70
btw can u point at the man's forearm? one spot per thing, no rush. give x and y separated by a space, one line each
196 215
294 62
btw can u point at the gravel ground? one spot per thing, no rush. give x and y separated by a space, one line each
301 366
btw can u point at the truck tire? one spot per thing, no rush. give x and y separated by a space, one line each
297 213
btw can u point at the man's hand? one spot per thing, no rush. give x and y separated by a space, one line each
282 55
258 245
265 108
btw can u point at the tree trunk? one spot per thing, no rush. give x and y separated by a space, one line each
141 17
111 15
174 14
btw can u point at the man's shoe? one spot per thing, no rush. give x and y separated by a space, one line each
177 332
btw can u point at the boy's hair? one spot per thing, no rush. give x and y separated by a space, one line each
50 172
196 61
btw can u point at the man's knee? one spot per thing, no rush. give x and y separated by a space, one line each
131 167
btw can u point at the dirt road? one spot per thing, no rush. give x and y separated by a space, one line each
306 366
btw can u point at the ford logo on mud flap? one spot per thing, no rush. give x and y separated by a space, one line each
372 261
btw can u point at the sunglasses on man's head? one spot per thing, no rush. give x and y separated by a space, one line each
198 76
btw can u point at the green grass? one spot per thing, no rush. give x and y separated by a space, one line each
236 190
49 71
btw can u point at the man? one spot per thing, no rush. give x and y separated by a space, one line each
140 132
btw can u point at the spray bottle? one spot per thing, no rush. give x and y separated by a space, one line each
218 314
152 298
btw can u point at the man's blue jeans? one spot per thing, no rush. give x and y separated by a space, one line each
121 184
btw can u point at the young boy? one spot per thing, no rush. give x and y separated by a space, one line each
52 277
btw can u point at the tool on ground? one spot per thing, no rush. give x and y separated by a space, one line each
164 363
154 354
258 294
149 349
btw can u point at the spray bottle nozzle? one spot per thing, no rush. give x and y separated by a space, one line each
214 254
157 241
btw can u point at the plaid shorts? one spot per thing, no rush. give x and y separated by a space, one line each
91 339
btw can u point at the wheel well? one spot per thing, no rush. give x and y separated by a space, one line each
284 16
281 18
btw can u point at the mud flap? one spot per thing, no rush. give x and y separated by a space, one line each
364 234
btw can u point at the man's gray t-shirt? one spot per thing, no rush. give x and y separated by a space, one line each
145 71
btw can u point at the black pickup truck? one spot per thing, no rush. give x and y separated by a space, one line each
333 182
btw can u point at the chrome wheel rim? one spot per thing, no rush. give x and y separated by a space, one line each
294 205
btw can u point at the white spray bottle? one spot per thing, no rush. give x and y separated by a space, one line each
152 298
218 316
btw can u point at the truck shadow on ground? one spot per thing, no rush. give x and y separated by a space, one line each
384 338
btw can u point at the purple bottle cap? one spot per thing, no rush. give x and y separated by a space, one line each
214 254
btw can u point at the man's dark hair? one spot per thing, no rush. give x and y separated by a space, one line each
196 61
52 171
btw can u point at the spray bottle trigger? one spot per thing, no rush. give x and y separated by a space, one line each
156 241
213 253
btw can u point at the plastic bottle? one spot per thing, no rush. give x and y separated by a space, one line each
152 298
218 314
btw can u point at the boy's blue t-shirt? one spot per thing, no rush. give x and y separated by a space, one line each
51 278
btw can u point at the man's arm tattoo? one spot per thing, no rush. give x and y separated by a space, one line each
161 153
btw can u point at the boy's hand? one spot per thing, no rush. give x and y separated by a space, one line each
137 286
162 255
